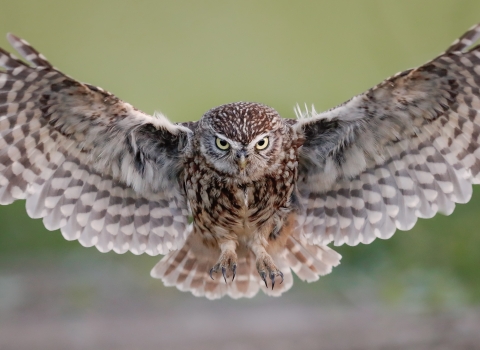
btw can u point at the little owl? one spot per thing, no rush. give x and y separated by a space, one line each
240 198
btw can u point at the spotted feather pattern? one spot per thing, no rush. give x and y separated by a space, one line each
405 149
88 163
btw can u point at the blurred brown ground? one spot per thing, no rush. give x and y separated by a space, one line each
70 304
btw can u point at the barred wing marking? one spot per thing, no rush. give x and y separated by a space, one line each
407 148
88 163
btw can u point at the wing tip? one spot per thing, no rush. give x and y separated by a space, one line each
16 41
466 40
11 37
27 51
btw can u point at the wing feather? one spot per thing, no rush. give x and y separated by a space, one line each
88 163
405 149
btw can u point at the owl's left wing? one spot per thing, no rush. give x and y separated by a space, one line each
407 148
88 163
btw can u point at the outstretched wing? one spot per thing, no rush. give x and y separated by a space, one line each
90 164
407 148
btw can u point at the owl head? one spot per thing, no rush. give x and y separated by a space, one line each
242 140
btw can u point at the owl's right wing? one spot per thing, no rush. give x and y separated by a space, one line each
88 163
407 148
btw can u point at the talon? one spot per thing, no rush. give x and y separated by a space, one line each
211 272
264 275
272 278
226 262
280 273
224 273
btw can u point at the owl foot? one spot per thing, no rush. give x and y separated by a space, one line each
266 267
227 261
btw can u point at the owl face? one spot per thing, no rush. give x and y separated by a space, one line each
242 140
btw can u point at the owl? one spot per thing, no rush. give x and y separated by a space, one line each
240 199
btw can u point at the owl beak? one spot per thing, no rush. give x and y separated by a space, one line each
242 162
242 159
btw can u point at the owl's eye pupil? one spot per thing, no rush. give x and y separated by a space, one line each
262 144
222 144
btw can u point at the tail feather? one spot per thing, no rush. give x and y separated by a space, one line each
184 270
188 268
308 261
246 281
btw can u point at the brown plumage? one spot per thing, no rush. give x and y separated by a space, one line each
233 208
241 198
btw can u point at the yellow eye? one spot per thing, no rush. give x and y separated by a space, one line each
222 144
262 144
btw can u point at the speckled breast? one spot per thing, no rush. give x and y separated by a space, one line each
223 208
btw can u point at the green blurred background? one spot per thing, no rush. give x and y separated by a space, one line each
185 57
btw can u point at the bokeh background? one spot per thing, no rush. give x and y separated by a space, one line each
418 290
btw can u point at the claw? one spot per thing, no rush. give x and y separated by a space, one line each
280 273
211 272
264 275
234 270
272 278
224 273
